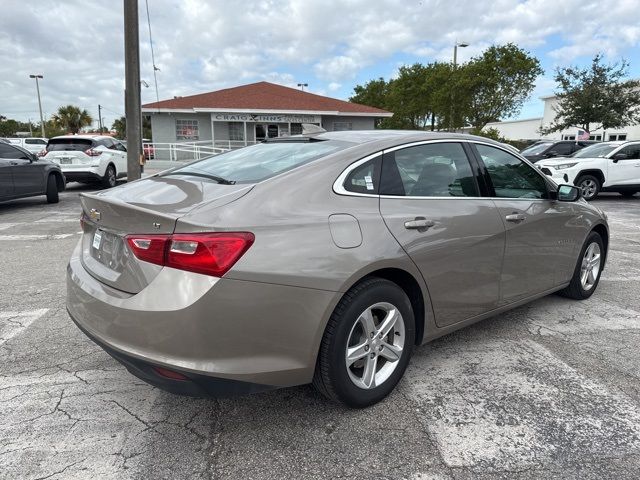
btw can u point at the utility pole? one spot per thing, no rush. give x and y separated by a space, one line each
39 102
132 89
100 117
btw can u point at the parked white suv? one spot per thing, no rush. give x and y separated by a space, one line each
88 158
604 167
33 144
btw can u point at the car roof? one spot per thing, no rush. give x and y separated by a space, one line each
83 137
386 138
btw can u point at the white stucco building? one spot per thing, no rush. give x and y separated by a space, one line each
528 129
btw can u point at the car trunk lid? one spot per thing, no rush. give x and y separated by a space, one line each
149 206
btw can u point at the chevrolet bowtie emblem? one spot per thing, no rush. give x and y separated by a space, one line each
94 215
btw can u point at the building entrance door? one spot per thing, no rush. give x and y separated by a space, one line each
264 131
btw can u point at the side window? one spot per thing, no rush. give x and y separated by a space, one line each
430 170
631 151
364 178
511 177
562 148
7 151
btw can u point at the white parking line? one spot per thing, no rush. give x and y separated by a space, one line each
12 323
14 238
498 403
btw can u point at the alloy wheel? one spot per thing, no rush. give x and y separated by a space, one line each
375 345
590 267
588 188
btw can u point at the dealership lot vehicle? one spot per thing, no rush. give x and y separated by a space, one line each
605 167
88 158
385 240
548 149
483 402
23 174
32 144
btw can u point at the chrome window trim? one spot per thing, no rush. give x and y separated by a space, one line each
338 185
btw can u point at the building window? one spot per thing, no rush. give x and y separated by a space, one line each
296 129
187 130
596 137
568 137
341 126
236 131
617 136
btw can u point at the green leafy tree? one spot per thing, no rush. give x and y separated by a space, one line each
595 97
120 127
71 119
374 93
497 83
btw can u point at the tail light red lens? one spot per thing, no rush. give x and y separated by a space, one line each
92 153
206 253
42 153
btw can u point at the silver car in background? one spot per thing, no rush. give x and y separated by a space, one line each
322 259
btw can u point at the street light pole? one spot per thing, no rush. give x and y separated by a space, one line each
455 66
132 92
302 85
39 102
100 118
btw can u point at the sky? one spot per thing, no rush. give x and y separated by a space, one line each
205 45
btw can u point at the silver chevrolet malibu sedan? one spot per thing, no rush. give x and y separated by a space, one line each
322 259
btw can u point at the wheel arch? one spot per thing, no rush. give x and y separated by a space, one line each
602 230
410 285
593 171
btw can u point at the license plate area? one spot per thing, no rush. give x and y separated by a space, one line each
107 248
65 160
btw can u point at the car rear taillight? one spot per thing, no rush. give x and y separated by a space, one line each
42 153
92 153
206 253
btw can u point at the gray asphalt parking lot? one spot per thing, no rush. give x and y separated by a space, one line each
551 389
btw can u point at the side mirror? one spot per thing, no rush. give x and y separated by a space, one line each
619 156
568 193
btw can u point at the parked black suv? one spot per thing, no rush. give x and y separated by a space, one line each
549 149
23 174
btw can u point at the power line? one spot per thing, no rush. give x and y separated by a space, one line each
153 57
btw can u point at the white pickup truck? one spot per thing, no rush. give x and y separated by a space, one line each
603 167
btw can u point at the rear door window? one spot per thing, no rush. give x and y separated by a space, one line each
562 148
430 170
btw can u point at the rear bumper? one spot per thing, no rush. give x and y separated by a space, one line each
193 385
74 173
214 331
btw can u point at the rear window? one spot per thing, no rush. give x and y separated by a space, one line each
536 149
264 160
73 144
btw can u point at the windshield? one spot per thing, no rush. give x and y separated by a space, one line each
261 161
536 149
594 151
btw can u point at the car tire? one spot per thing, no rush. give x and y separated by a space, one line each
346 381
589 186
627 194
52 189
578 289
109 179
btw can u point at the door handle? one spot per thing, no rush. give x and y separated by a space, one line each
13 163
418 224
515 217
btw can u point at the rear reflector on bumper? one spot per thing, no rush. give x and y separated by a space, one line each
207 253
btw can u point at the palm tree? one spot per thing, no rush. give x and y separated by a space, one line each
71 118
